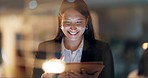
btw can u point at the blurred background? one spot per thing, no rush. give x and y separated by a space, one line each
26 23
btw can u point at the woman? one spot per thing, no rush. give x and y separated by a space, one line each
142 70
76 42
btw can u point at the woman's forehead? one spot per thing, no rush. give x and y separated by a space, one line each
73 19
72 13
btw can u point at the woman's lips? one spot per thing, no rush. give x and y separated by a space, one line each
73 33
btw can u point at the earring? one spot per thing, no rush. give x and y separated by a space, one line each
86 27
61 27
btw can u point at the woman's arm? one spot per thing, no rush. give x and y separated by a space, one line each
108 71
40 56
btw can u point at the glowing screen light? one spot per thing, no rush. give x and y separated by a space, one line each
54 66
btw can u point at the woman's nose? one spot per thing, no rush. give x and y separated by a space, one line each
73 27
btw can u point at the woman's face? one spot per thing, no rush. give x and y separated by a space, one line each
73 24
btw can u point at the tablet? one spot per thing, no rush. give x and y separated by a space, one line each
89 67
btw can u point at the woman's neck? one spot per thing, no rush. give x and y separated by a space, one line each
72 44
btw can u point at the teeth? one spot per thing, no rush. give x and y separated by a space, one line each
73 33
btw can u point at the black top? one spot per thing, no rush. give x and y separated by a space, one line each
98 51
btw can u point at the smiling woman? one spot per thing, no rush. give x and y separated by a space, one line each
75 42
73 25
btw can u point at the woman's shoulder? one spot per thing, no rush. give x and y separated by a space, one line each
48 45
48 42
101 42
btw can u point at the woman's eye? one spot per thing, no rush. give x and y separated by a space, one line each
66 22
79 22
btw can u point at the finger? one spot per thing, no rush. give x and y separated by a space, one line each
61 75
74 74
83 71
46 75
42 76
67 75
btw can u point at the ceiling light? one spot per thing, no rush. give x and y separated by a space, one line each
33 4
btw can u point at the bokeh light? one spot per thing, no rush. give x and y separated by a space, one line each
145 45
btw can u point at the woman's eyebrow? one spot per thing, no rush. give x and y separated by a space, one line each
76 18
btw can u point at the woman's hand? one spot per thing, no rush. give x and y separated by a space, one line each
47 75
83 74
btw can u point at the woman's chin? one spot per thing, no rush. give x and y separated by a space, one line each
72 38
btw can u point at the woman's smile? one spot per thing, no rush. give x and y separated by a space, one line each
72 33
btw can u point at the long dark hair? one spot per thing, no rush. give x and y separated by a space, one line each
81 7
